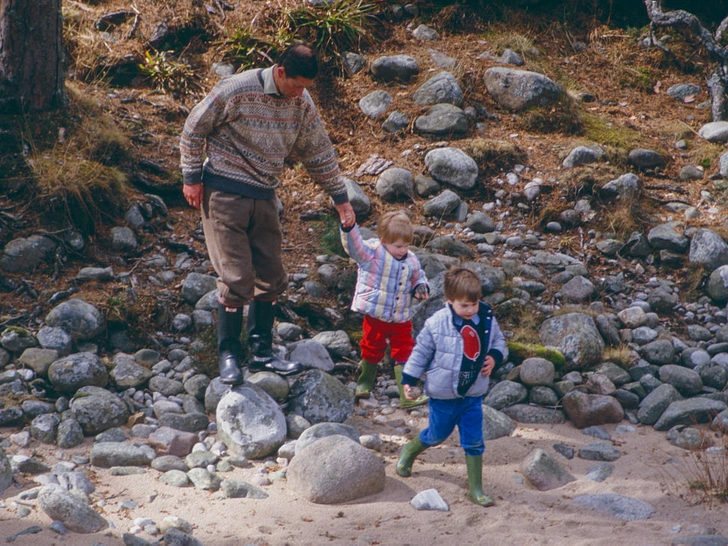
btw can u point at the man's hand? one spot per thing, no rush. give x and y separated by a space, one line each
346 214
488 366
193 194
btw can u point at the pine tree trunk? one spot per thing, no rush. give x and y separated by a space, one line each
31 55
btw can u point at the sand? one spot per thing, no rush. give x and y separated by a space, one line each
649 469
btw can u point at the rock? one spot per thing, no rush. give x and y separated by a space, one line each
442 119
655 403
518 90
576 336
73 512
80 319
544 472
688 412
645 159
97 410
441 88
322 430
335 469
319 398
108 454
496 424
619 506
23 255
250 422
394 68
429 499
586 410
716 131
375 104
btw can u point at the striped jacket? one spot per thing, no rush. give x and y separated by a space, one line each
247 131
384 285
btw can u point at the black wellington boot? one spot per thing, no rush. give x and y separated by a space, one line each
229 348
260 337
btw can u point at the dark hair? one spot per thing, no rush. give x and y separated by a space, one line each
462 284
299 59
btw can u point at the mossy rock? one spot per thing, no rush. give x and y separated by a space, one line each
521 351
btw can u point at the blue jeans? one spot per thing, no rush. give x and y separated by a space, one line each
466 413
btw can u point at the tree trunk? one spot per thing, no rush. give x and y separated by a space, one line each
31 55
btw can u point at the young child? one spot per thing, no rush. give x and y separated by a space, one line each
458 348
389 276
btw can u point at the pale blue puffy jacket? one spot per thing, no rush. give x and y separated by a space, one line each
439 354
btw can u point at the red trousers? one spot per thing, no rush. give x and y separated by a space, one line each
377 332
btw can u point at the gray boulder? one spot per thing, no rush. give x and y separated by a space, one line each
441 88
519 90
71 510
319 397
80 319
544 472
250 422
335 469
576 336
70 373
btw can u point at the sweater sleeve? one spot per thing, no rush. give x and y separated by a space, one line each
203 119
317 153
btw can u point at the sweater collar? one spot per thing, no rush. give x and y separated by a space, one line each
269 85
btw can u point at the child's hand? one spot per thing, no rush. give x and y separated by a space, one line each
422 292
488 366
408 394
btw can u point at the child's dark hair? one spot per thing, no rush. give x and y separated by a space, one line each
395 226
462 284
299 59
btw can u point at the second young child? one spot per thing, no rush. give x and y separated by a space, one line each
457 349
389 276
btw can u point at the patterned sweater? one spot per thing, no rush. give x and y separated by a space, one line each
247 131
384 284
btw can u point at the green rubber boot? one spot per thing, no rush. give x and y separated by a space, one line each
408 455
365 383
404 403
475 481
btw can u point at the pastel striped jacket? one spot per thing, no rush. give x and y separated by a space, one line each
384 285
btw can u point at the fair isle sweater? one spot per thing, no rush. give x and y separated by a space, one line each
244 130
384 284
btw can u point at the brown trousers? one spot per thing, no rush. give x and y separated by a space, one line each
243 238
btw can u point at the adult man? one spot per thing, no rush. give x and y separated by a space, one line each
247 126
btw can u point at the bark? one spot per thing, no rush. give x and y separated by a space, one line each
686 20
31 55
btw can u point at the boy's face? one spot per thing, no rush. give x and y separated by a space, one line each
398 248
464 309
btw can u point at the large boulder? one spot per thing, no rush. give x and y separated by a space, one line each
336 469
250 422
577 337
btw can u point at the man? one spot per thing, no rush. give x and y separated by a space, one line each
233 148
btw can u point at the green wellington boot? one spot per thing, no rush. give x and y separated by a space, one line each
404 403
474 464
408 455
365 382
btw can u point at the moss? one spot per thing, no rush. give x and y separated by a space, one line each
521 351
